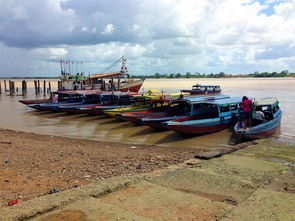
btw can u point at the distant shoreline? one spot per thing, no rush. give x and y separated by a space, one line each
152 77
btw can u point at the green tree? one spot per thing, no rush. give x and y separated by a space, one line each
157 75
188 75
178 75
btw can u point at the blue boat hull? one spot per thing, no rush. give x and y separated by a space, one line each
260 131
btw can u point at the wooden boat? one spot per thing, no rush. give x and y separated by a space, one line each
143 103
178 109
35 101
199 89
124 100
61 96
156 107
91 99
207 116
114 81
265 128
67 99
138 103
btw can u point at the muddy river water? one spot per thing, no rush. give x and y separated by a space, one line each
17 116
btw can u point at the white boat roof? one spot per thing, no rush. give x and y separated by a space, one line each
266 101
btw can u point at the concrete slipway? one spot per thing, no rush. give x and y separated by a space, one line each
255 183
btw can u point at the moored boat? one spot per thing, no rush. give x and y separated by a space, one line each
207 117
155 108
113 81
199 89
35 101
265 127
178 109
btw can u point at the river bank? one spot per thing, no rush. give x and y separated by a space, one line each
33 164
254 183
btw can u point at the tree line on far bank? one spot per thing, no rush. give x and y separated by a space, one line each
284 73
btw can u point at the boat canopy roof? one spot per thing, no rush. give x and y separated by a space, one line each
112 74
205 98
203 86
267 101
226 101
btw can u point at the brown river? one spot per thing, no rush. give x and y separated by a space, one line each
17 116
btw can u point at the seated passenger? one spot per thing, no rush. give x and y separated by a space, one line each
259 117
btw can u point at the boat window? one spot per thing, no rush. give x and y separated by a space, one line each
76 98
234 107
205 110
179 108
264 108
92 99
159 106
63 98
224 108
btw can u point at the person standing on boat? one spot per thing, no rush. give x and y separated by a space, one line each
246 105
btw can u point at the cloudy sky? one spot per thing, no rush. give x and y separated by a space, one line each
165 36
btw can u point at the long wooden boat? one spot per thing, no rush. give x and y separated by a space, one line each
67 99
144 103
93 100
178 109
199 89
61 96
266 127
35 101
156 107
207 117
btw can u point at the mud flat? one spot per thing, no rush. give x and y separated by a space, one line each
32 164
256 182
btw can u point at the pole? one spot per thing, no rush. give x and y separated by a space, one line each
24 87
0 88
49 87
39 89
36 87
5 88
69 67
44 88
112 84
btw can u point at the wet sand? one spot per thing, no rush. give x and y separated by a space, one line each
31 164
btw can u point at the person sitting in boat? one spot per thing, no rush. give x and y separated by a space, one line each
246 105
55 99
259 117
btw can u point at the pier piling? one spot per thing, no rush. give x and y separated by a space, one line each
24 87
5 88
49 88
44 88
35 85
0 88
38 85
11 88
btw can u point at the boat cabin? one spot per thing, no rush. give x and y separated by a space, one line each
268 106
204 89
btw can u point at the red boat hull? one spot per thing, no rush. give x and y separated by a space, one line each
132 89
39 101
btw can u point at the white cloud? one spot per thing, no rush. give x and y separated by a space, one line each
109 29
84 29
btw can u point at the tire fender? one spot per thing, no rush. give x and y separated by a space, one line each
222 120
